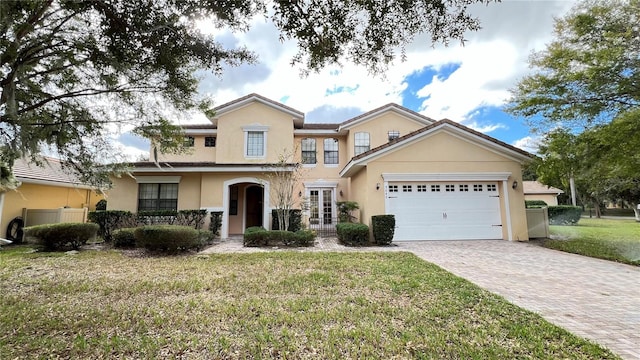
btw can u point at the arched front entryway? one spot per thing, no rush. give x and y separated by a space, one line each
246 203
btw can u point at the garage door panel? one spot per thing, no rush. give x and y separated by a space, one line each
451 213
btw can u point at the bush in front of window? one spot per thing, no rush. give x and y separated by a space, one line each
383 228
124 238
62 236
352 234
170 238
111 220
193 218
295 219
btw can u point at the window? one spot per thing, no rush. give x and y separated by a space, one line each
449 188
361 142
393 134
422 188
435 188
157 197
393 188
255 144
210 141
407 188
477 187
491 187
233 200
463 187
308 151
330 151
189 141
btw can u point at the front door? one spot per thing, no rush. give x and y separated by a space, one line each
254 206
321 208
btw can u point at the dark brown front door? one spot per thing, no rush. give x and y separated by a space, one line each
254 202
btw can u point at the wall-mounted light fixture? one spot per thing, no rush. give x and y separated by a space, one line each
515 184
340 193
300 194
377 186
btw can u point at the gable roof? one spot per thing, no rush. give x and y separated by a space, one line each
536 187
50 173
359 161
417 117
298 116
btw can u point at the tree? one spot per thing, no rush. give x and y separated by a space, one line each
284 176
72 72
559 161
589 73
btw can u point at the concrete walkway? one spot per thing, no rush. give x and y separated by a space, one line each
595 299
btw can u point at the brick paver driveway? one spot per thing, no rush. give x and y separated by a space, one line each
596 299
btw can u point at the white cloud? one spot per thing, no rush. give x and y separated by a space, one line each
528 143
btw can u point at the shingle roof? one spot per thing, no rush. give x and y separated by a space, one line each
535 187
51 171
318 126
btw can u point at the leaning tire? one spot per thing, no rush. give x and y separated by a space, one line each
14 230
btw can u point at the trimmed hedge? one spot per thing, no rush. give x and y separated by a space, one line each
383 227
168 237
216 222
124 238
564 215
258 236
295 220
61 236
534 203
111 220
352 234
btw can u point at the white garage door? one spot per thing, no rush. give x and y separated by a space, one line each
445 210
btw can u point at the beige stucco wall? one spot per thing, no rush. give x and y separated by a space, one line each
443 153
379 127
279 137
550 199
34 196
195 154
322 172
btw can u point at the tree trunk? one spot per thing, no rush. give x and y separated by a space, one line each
572 185
636 210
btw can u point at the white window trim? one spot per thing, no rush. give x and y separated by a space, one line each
255 128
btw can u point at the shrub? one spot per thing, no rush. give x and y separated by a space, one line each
383 227
206 236
257 236
564 215
110 220
534 203
216 222
125 237
352 234
61 236
101 205
295 220
193 218
344 210
168 237
157 217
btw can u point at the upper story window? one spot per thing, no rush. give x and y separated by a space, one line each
393 134
331 151
210 141
255 141
189 141
157 197
362 143
308 151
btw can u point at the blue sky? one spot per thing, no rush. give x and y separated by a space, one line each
468 84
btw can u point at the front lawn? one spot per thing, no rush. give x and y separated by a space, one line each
617 240
266 305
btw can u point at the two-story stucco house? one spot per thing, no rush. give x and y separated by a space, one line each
440 179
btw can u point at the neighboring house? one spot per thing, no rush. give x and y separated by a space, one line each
47 187
534 190
440 179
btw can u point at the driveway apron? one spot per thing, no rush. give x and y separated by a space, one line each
592 298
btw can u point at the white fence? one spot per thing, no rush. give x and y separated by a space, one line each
538 222
33 217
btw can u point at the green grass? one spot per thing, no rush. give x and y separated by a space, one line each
267 305
617 240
